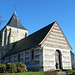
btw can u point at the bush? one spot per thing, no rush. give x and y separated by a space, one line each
21 67
13 67
2 68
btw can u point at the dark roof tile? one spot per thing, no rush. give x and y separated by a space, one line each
15 22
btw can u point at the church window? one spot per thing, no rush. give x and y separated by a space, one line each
25 34
18 57
9 58
10 32
32 55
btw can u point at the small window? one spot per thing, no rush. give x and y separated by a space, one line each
25 34
32 55
9 58
18 57
10 31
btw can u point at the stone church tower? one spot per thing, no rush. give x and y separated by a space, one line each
11 34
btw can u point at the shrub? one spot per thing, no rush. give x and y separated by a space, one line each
2 68
21 67
8 67
13 67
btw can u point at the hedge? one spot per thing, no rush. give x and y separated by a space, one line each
13 67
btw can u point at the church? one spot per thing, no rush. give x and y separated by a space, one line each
43 50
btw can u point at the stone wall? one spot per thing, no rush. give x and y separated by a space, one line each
49 58
55 40
16 33
37 63
25 58
9 36
22 57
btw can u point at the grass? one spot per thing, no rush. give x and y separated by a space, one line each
71 71
57 73
25 73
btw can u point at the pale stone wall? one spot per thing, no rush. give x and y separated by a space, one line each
17 33
37 63
56 38
14 35
25 58
56 41
10 35
49 58
66 59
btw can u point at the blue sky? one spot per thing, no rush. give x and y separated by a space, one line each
35 14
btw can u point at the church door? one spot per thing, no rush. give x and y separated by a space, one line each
58 60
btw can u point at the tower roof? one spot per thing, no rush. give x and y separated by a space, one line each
15 22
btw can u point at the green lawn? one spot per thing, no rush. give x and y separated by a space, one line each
26 73
71 71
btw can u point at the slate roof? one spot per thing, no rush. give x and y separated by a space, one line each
31 41
15 22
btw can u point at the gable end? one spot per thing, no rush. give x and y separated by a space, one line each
56 38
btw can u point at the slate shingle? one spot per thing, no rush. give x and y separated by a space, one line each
15 22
